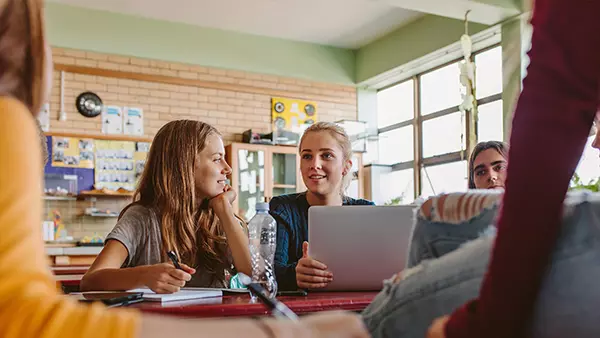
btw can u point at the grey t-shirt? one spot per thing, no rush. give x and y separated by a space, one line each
139 231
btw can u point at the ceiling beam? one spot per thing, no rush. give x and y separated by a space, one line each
488 12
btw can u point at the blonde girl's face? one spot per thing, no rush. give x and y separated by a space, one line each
322 163
211 169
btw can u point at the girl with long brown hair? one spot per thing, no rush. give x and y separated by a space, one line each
30 303
182 204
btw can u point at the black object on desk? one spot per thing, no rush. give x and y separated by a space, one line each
277 308
298 293
111 299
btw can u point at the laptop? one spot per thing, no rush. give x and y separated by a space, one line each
361 245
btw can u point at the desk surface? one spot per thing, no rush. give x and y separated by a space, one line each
69 269
241 305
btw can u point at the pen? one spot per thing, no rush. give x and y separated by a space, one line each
277 308
174 259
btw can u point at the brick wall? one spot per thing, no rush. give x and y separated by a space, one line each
232 101
231 111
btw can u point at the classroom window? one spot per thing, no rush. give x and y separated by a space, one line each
440 127
587 169
488 75
440 89
490 122
443 135
449 177
398 186
395 104
396 146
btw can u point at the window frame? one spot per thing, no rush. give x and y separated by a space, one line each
417 120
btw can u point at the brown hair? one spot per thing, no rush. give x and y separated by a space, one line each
499 146
339 134
22 52
167 186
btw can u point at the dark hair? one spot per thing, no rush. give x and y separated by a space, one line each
500 147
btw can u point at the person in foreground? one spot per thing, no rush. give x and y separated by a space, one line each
542 277
325 164
560 97
182 204
30 303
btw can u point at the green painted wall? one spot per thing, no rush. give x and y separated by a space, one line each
99 31
421 37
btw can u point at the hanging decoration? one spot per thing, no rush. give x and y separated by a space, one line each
467 80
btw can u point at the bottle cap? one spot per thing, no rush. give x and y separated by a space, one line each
262 206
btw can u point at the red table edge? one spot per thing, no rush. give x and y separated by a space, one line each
244 310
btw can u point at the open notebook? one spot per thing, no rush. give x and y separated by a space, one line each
183 294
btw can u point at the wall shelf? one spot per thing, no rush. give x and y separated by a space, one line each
103 215
105 194
58 198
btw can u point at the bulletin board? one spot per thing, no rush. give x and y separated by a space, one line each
97 163
290 118
116 164
71 152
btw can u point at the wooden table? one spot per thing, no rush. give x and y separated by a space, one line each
242 306
69 270
68 280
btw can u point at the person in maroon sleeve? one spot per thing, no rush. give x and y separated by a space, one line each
554 114
542 278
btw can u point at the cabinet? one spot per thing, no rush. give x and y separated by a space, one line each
260 172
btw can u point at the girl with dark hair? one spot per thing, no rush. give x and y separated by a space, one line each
487 165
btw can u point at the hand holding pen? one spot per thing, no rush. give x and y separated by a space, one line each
166 277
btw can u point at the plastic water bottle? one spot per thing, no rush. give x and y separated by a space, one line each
263 237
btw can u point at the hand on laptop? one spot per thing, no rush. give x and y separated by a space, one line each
310 273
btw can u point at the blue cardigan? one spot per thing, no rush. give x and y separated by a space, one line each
291 213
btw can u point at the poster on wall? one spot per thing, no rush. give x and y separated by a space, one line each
115 165
112 120
71 152
44 117
290 118
133 121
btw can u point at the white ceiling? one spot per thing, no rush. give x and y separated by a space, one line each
340 23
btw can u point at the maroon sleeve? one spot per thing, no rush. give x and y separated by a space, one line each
550 127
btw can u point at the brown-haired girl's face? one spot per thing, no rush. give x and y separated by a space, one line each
489 170
211 169
322 163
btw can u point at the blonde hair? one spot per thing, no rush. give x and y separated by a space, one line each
167 185
23 52
342 139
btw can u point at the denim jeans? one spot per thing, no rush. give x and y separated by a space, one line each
434 239
568 298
